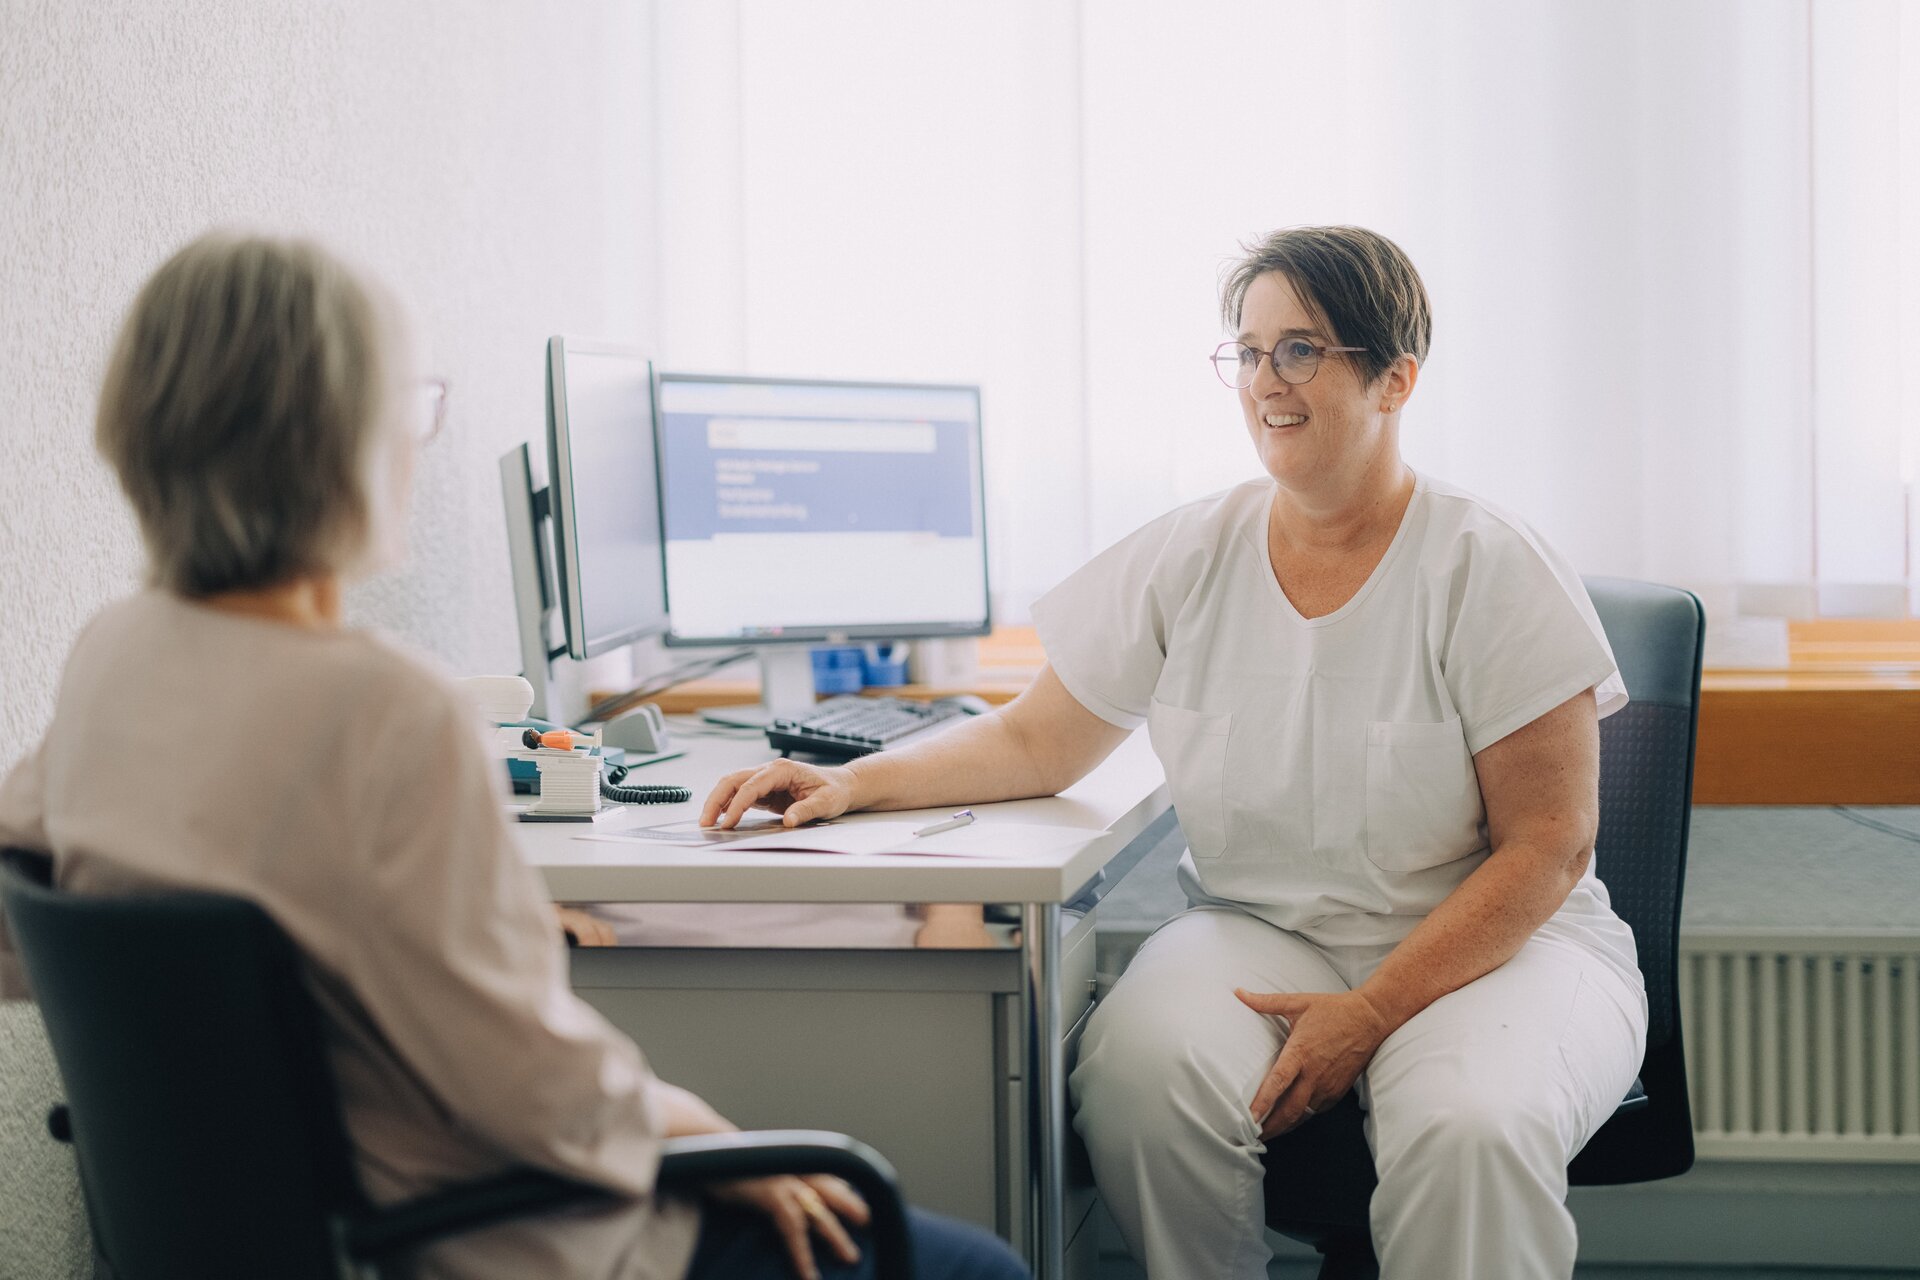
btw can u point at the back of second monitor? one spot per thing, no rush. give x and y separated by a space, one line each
589 540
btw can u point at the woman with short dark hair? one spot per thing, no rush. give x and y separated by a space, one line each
262 413
1376 698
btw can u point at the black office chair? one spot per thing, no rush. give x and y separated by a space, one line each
1320 1176
204 1115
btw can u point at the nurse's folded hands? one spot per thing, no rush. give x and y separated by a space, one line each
1331 1038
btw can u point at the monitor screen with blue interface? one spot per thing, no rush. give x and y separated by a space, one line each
796 510
606 522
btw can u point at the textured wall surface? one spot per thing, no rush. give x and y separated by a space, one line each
492 161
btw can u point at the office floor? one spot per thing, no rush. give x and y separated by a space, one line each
1778 867
1124 1269
1116 1265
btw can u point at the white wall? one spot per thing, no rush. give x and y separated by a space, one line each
871 189
491 161
1564 176
1674 286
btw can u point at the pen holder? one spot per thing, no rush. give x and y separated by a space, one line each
884 666
837 669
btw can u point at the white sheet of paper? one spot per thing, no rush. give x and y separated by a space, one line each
690 833
975 840
853 837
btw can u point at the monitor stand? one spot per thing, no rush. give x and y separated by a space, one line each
786 689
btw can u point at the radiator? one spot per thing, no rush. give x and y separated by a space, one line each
1803 1048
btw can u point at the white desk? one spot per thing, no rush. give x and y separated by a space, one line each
1035 1000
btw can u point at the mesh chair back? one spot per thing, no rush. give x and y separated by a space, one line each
1646 808
204 1117
1646 773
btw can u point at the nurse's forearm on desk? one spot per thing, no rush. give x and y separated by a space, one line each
1040 744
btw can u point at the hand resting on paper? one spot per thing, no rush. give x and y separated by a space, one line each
798 792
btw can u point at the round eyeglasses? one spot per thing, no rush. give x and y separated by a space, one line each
1295 360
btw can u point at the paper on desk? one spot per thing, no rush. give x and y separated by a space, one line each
976 840
852 837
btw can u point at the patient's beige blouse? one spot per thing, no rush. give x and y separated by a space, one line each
345 787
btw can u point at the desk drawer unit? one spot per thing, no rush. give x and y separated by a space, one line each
926 1055
898 1049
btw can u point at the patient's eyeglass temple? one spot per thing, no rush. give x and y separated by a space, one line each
433 399
1295 360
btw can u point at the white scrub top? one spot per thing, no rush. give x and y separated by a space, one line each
1322 767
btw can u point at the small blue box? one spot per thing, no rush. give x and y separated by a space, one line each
837 669
884 665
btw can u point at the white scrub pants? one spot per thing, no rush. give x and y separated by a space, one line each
1475 1106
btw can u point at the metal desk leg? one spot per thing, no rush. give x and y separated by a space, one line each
1040 934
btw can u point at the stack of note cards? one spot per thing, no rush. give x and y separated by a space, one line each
569 787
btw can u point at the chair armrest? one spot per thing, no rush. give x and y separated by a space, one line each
685 1164
468 1206
765 1153
720 1157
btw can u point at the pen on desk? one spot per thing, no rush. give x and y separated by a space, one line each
959 819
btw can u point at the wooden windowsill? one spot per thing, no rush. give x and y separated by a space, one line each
1839 724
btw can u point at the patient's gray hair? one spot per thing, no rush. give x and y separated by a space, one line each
242 411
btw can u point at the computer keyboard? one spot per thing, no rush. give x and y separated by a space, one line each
849 726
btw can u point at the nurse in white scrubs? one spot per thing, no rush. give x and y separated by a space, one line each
1377 701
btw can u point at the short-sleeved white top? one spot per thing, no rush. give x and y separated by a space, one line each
1322 767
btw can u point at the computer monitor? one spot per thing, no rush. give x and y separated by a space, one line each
800 512
604 494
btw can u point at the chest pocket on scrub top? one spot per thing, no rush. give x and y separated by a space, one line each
1423 798
1192 746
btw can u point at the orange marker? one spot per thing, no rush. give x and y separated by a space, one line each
557 739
